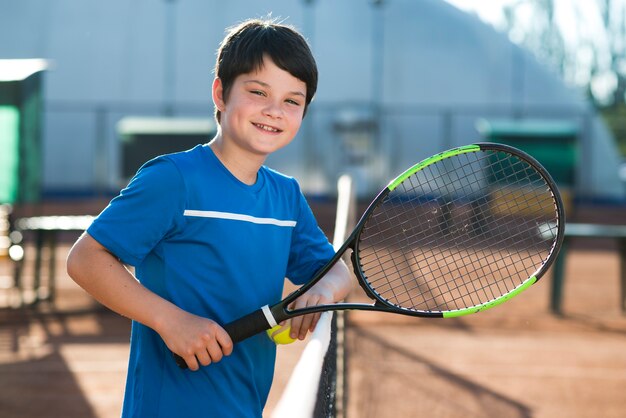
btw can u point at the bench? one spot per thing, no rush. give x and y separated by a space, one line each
587 231
45 230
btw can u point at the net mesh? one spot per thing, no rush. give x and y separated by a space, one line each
460 232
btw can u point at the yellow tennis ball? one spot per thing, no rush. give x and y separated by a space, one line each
280 334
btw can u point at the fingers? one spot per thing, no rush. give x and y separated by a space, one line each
314 321
307 324
224 341
209 346
205 355
297 323
301 325
212 353
191 361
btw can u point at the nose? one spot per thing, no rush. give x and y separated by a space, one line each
273 109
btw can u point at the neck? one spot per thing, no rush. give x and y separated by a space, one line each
240 164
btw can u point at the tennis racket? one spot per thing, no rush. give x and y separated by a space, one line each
458 233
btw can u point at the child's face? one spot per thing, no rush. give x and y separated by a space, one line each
263 110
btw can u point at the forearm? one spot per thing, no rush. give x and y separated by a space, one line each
200 341
103 276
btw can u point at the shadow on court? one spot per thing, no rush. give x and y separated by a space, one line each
424 385
516 360
62 363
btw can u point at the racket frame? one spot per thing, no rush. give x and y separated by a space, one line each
281 312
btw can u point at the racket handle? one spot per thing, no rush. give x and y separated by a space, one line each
240 329
247 326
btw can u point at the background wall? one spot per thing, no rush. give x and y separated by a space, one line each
399 80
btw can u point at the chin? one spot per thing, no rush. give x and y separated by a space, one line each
271 147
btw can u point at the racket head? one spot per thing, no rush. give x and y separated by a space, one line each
459 232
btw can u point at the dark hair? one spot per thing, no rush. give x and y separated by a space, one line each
245 45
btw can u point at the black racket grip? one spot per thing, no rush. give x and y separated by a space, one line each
247 326
239 330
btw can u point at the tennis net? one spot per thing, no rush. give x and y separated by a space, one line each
317 386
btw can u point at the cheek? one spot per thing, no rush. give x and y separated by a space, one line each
294 125
296 115
238 109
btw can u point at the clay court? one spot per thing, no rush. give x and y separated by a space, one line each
518 360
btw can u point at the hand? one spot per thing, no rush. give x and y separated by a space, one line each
333 287
317 295
199 341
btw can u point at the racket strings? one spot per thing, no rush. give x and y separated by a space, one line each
444 272
401 216
472 282
434 242
521 229
477 292
389 238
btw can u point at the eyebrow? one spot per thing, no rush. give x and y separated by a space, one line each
297 93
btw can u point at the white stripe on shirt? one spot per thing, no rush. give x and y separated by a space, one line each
238 217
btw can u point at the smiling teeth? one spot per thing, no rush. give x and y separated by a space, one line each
267 128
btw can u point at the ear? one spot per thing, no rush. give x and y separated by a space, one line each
218 94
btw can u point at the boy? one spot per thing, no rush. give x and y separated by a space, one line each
212 234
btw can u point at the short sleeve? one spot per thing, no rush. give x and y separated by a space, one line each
310 248
146 211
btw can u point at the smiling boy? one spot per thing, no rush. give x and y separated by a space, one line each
212 234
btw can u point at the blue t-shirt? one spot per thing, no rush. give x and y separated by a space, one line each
217 248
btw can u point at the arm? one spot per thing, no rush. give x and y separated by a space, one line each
333 287
197 340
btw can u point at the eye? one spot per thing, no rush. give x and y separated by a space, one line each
258 92
293 102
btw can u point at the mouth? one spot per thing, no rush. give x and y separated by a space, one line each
267 128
